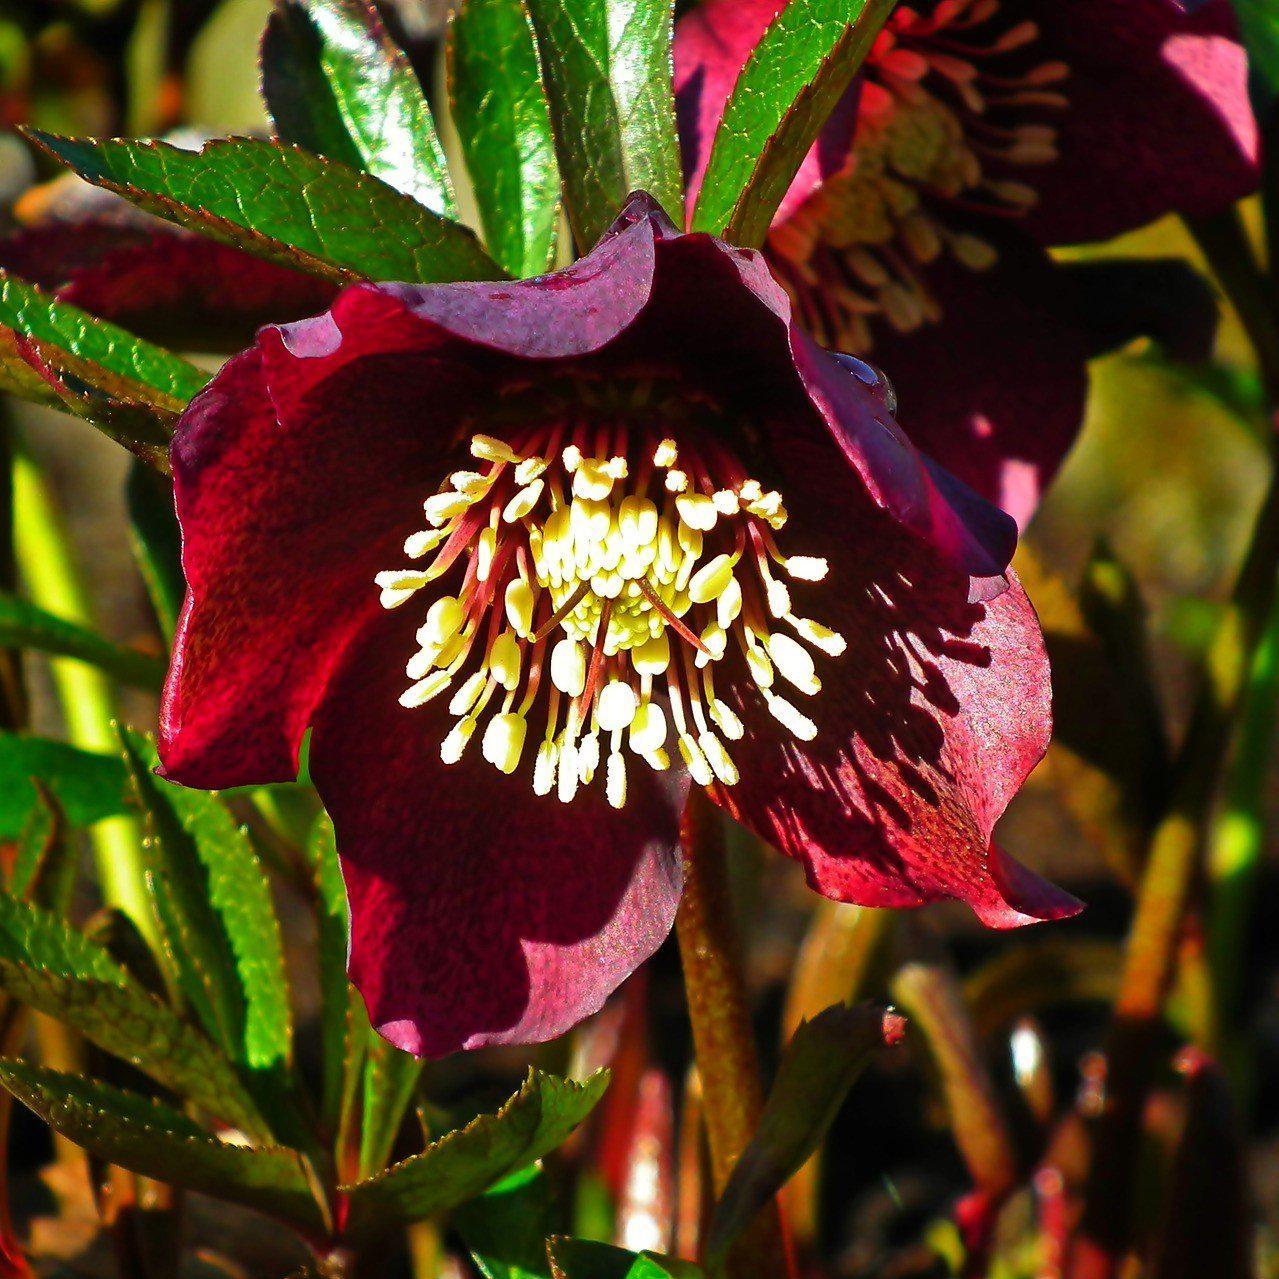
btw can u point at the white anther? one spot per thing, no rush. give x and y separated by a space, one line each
492 450
761 668
665 453
711 579
443 620
726 502
444 506
588 758
398 585
718 758
567 780
504 660
829 641
648 729
728 606
653 656
617 706
806 568
520 599
466 696
454 744
659 761
695 760
724 715
568 667
504 741
421 662
484 554
522 503
792 718
418 544
676 481
572 458
778 598
544 768
425 689
529 469
697 511
795 662
615 781
472 483
593 479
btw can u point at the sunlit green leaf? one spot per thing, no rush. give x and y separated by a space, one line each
285 205
586 1259
506 1228
607 65
23 625
466 1162
230 952
336 83
158 1141
88 786
790 84
504 122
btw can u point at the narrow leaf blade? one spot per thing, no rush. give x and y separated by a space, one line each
157 1141
789 85
607 65
504 123
283 204
87 786
466 1162
337 84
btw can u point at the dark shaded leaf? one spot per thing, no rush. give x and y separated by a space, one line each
87 786
504 123
157 1141
466 1162
607 65
1259 26
23 625
213 892
157 543
337 84
283 204
790 84
821 1063
586 1259
506 1228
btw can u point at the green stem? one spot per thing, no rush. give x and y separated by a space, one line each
53 581
727 1058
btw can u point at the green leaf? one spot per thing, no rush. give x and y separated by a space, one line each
337 84
821 1063
23 625
17 377
157 542
1259 26
87 786
789 85
586 1259
390 1080
466 1162
217 898
608 79
158 1141
42 869
504 123
339 1005
104 355
57 971
506 1228
283 204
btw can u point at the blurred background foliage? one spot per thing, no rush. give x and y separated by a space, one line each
1163 486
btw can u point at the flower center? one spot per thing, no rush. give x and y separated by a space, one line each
954 98
604 576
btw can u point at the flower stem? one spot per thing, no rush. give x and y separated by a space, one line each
727 1058
53 581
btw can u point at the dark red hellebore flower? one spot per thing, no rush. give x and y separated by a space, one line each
528 558
978 133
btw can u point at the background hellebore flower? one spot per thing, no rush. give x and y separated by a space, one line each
607 596
978 132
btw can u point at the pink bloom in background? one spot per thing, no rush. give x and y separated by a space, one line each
979 132
531 557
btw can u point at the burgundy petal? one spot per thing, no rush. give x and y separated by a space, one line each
995 391
712 42
168 285
1159 119
481 914
927 725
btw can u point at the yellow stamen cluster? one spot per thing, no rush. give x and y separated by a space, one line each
598 591
953 94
